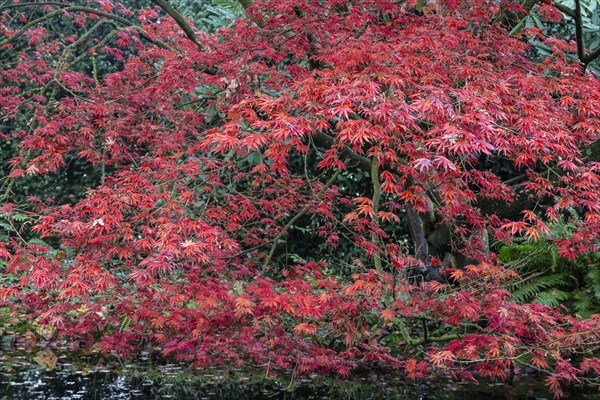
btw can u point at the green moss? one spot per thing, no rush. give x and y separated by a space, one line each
530 256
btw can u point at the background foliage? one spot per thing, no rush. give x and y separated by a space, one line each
565 28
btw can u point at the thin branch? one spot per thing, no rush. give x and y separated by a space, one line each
98 45
362 30
296 217
511 19
592 56
517 28
83 38
125 22
159 43
37 3
435 339
28 25
89 10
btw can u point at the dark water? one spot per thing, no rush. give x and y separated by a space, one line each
37 383
94 378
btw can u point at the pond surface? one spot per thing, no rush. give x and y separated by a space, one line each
37 383
21 378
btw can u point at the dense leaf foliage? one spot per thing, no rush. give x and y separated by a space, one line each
214 148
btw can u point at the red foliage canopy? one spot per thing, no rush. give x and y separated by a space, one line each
199 143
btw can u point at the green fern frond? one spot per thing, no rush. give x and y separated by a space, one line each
20 217
592 281
528 289
583 302
38 242
549 279
229 5
6 226
552 297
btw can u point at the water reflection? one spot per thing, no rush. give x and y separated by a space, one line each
39 371
40 384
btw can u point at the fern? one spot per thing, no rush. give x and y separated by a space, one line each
38 242
583 302
5 225
530 288
548 279
19 217
229 5
593 280
552 297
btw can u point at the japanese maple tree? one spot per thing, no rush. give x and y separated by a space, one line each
212 149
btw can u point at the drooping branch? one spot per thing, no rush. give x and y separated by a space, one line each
181 22
188 30
515 21
421 238
296 217
88 10
502 209
522 200
98 45
511 19
34 3
28 26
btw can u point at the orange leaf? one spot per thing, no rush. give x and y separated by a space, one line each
388 315
305 328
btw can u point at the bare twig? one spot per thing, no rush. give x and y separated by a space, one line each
296 217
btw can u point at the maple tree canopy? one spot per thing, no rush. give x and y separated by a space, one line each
212 150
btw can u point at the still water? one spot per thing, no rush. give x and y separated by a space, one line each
70 377
38 383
